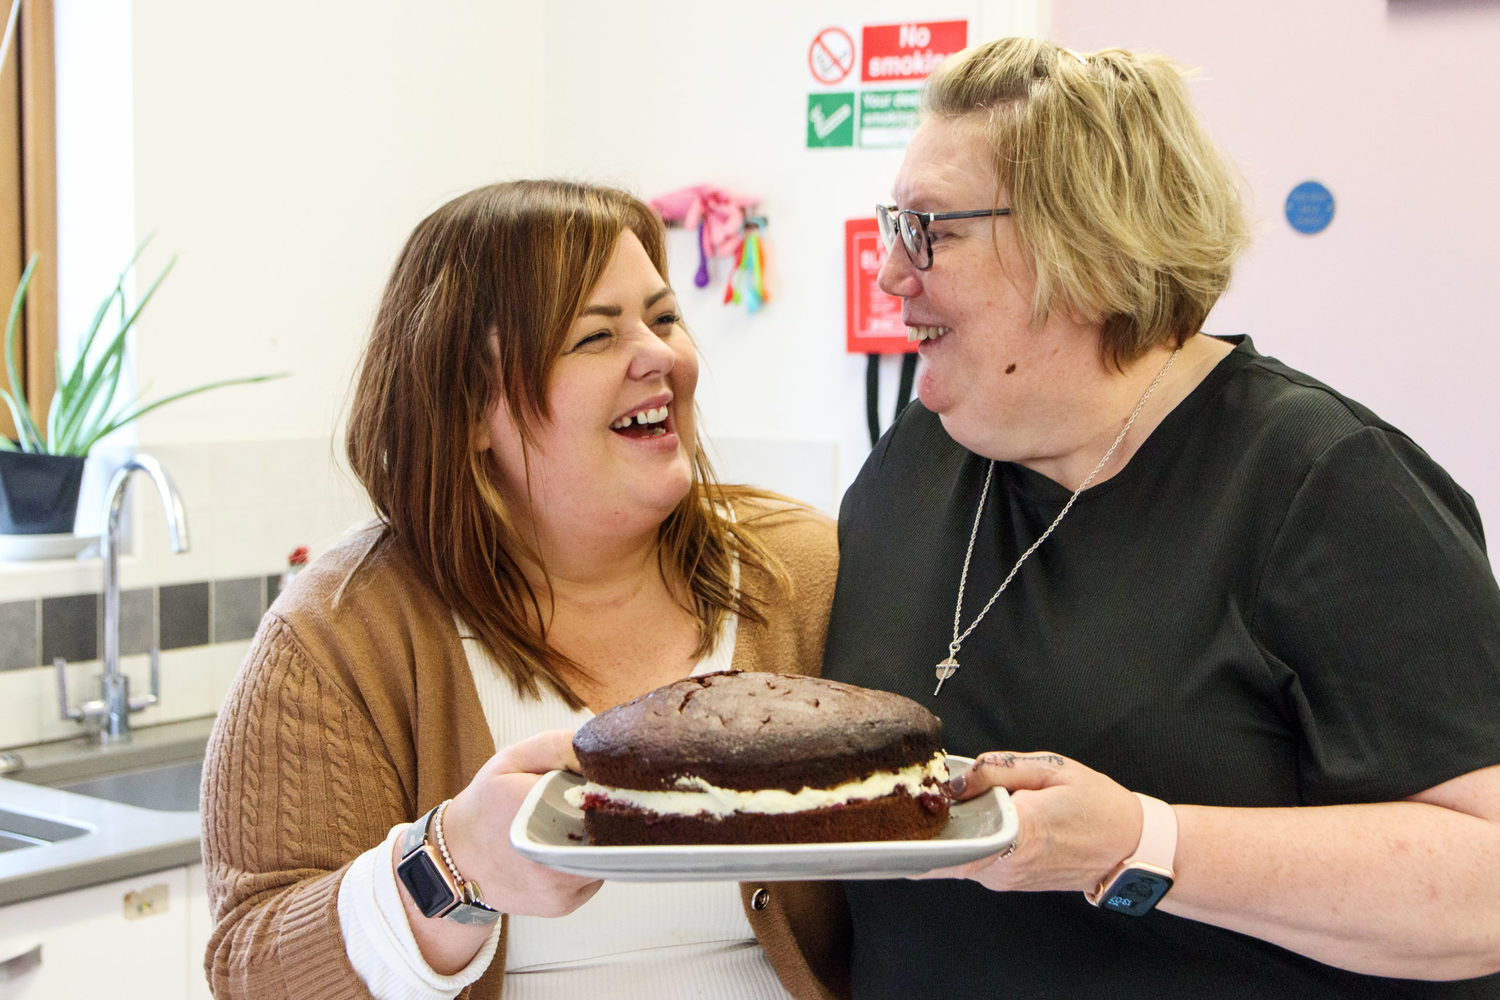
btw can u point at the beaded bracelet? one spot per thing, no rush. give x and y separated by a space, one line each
437 829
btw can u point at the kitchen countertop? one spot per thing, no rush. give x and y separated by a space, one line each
123 840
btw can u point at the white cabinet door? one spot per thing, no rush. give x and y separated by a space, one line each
199 925
123 940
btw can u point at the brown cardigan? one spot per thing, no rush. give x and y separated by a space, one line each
348 718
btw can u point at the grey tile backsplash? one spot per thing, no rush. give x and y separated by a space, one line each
70 627
183 615
237 608
20 635
172 616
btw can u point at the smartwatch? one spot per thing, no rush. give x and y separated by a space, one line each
434 886
1140 881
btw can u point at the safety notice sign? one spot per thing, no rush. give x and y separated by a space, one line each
830 119
831 55
888 117
873 317
909 51
877 107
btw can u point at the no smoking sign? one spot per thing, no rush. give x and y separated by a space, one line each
831 55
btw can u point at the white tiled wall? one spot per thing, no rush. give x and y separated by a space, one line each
248 505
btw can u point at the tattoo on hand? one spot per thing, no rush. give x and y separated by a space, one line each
1012 759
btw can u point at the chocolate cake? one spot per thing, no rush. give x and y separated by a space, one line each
741 757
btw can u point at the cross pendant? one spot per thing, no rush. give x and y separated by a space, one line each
944 670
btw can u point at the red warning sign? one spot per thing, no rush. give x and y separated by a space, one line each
831 55
894 52
873 317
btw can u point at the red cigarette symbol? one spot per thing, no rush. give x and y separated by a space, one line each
831 55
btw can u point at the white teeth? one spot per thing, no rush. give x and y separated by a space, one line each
647 416
915 333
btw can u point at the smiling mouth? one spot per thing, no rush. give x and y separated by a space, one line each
919 333
647 423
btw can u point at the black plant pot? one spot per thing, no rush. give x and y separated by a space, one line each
38 493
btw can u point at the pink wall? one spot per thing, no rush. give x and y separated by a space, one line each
1395 107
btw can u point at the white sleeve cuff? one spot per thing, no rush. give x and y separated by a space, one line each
379 940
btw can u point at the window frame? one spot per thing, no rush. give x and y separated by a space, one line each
28 198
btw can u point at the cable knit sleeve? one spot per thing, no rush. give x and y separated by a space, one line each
297 783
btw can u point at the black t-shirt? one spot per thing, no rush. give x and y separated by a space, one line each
1280 600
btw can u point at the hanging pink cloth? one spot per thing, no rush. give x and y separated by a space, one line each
719 216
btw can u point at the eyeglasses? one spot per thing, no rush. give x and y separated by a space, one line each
913 228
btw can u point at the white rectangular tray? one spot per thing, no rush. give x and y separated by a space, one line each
549 831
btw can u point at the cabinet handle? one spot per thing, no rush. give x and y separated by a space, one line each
19 964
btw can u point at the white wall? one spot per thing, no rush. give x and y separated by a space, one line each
679 97
1391 105
286 149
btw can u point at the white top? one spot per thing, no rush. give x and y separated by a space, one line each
632 940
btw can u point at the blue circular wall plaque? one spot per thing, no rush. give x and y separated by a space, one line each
1309 208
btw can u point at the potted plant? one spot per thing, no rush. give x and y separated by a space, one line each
41 471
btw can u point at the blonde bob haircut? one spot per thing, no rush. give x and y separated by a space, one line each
474 317
1131 216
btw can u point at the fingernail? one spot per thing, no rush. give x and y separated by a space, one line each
957 784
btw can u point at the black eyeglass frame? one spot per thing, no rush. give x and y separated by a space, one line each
892 220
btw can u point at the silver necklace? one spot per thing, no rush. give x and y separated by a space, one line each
948 667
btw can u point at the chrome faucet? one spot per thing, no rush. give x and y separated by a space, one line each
113 707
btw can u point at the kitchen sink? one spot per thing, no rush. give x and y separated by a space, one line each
78 812
159 768
19 830
166 787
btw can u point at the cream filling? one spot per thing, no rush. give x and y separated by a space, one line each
695 796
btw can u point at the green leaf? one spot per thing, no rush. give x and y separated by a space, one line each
83 406
20 407
97 390
95 414
15 416
120 420
71 394
107 370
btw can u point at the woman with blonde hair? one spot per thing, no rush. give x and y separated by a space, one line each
550 542
1230 641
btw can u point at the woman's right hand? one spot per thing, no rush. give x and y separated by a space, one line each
476 828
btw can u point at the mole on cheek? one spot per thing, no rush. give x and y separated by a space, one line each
1010 368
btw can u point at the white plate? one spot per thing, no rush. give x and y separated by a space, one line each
549 831
26 547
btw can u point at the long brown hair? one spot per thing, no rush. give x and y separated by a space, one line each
474 314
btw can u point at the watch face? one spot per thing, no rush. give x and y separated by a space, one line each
1135 891
429 890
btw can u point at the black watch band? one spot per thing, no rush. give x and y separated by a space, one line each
432 884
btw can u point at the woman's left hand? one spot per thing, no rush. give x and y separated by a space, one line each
1076 824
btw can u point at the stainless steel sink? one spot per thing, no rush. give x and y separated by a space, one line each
76 812
166 787
19 830
158 769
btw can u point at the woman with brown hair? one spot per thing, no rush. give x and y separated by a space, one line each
551 542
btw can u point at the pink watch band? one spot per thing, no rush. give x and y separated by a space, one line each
1158 845
1154 853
